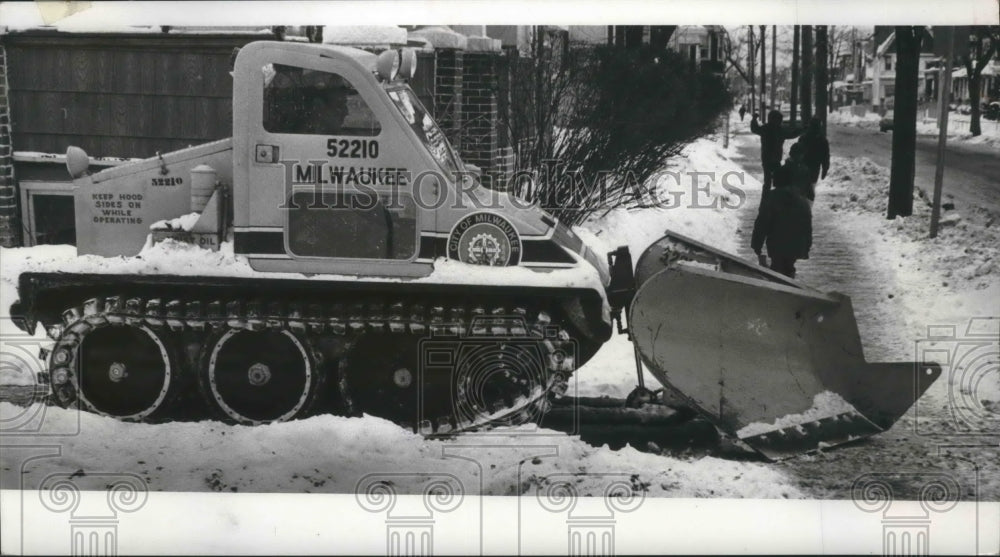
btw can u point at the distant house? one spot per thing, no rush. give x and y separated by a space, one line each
989 83
882 69
701 44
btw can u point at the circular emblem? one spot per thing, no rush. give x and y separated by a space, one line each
485 239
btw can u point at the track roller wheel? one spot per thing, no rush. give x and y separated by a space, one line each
125 372
258 377
492 378
382 378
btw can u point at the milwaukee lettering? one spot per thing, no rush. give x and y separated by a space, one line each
122 208
298 174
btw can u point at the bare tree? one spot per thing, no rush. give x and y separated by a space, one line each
821 73
806 73
735 49
984 41
763 69
904 122
837 39
602 122
794 101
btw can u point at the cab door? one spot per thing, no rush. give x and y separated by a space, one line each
327 174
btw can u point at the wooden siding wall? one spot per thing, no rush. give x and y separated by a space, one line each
120 97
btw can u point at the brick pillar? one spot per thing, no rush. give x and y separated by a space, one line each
448 93
449 48
479 113
10 218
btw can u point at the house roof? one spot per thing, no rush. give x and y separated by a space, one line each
888 46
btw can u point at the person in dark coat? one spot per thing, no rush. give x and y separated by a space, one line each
743 111
816 151
784 224
796 174
772 145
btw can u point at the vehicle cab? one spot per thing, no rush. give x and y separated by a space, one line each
344 171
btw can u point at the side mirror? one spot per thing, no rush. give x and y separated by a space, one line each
77 162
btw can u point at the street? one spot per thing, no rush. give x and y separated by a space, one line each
971 171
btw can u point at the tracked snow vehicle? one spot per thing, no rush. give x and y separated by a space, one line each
371 273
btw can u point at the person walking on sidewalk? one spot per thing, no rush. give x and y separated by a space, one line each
795 174
772 145
743 111
784 224
816 151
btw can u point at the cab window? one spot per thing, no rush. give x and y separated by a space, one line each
304 101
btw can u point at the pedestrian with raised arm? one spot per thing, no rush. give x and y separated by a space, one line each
772 145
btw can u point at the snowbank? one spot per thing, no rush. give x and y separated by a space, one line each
869 120
332 454
963 251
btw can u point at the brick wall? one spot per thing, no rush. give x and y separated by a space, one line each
448 93
479 113
10 220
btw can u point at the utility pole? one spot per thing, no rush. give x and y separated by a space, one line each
794 100
752 63
876 75
763 70
806 75
904 122
822 45
774 63
944 86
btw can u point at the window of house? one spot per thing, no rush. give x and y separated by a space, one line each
704 53
888 63
304 101
48 213
693 52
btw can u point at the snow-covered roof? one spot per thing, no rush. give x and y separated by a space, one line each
884 47
60 158
364 35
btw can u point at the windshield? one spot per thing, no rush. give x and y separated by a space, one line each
425 127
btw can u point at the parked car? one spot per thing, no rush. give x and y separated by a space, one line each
885 124
992 111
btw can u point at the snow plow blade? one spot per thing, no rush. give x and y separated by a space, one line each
767 359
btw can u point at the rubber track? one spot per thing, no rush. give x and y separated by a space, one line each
338 319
